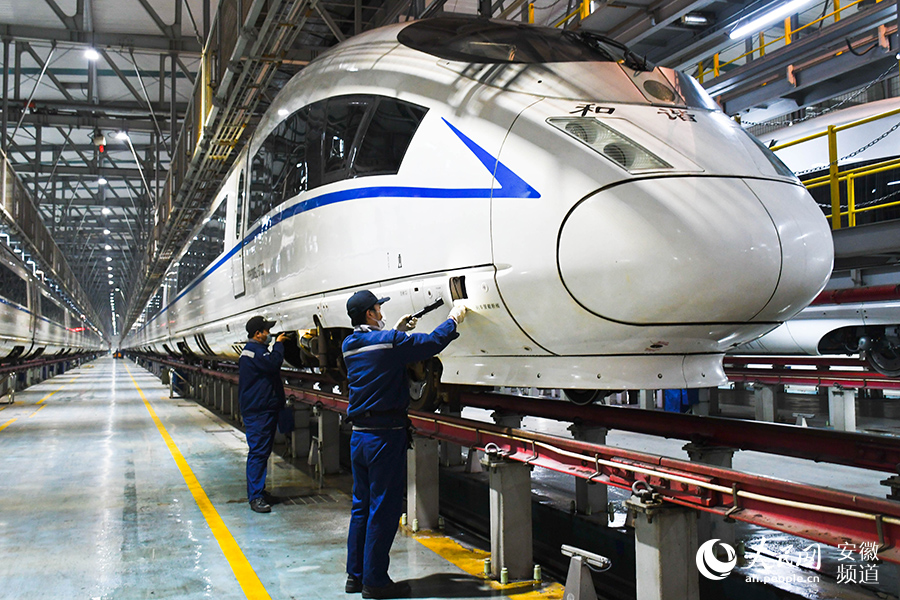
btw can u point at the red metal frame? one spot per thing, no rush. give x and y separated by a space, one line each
875 293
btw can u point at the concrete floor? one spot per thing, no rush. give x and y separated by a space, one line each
93 504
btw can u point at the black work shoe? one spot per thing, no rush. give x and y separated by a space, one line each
354 585
395 589
260 505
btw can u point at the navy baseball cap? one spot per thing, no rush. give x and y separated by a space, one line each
362 301
258 323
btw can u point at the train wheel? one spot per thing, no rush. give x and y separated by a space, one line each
584 397
885 360
424 383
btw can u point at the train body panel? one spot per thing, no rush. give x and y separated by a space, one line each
34 324
601 221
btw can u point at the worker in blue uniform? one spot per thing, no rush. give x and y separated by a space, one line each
376 362
261 396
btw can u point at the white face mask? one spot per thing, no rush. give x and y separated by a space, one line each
380 323
269 339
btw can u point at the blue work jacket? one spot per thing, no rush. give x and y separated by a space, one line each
260 388
376 369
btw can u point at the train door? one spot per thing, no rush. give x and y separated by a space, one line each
237 261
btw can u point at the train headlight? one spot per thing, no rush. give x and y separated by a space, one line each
602 138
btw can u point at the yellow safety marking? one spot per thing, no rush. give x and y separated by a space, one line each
471 560
7 424
44 399
37 411
246 576
7 406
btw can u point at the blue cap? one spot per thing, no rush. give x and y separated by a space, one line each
362 301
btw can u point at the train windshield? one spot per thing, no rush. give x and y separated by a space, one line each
469 39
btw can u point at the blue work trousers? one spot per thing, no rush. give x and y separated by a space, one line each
260 431
379 482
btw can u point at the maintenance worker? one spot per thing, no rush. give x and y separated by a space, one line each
261 396
376 362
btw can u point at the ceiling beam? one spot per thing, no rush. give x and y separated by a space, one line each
139 42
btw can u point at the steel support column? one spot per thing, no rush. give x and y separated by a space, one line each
510 496
422 484
764 402
590 498
842 409
665 544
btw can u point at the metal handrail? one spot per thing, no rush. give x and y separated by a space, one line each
717 66
835 176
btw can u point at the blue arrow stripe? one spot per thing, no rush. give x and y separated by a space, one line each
509 185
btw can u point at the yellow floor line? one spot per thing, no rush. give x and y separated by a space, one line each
37 411
471 561
7 424
44 399
246 576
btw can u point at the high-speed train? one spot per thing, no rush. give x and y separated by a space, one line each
845 319
33 321
607 226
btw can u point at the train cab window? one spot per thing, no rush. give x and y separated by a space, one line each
387 137
279 170
51 310
13 287
476 40
343 117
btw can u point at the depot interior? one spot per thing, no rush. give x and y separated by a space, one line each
780 483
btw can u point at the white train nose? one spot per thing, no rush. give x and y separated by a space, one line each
695 250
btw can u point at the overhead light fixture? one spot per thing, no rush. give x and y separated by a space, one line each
102 181
696 19
122 135
106 232
106 211
91 54
763 21
109 268
107 247
108 259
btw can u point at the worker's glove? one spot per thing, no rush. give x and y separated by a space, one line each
458 313
406 323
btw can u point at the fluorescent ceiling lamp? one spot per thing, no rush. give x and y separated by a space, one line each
101 181
122 135
695 19
106 211
91 54
893 182
763 21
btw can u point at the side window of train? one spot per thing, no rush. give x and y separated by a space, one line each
343 117
239 209
13 287
279 170
387 137
204 249
51 310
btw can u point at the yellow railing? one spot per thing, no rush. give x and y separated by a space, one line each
582 12
835 177
786 38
